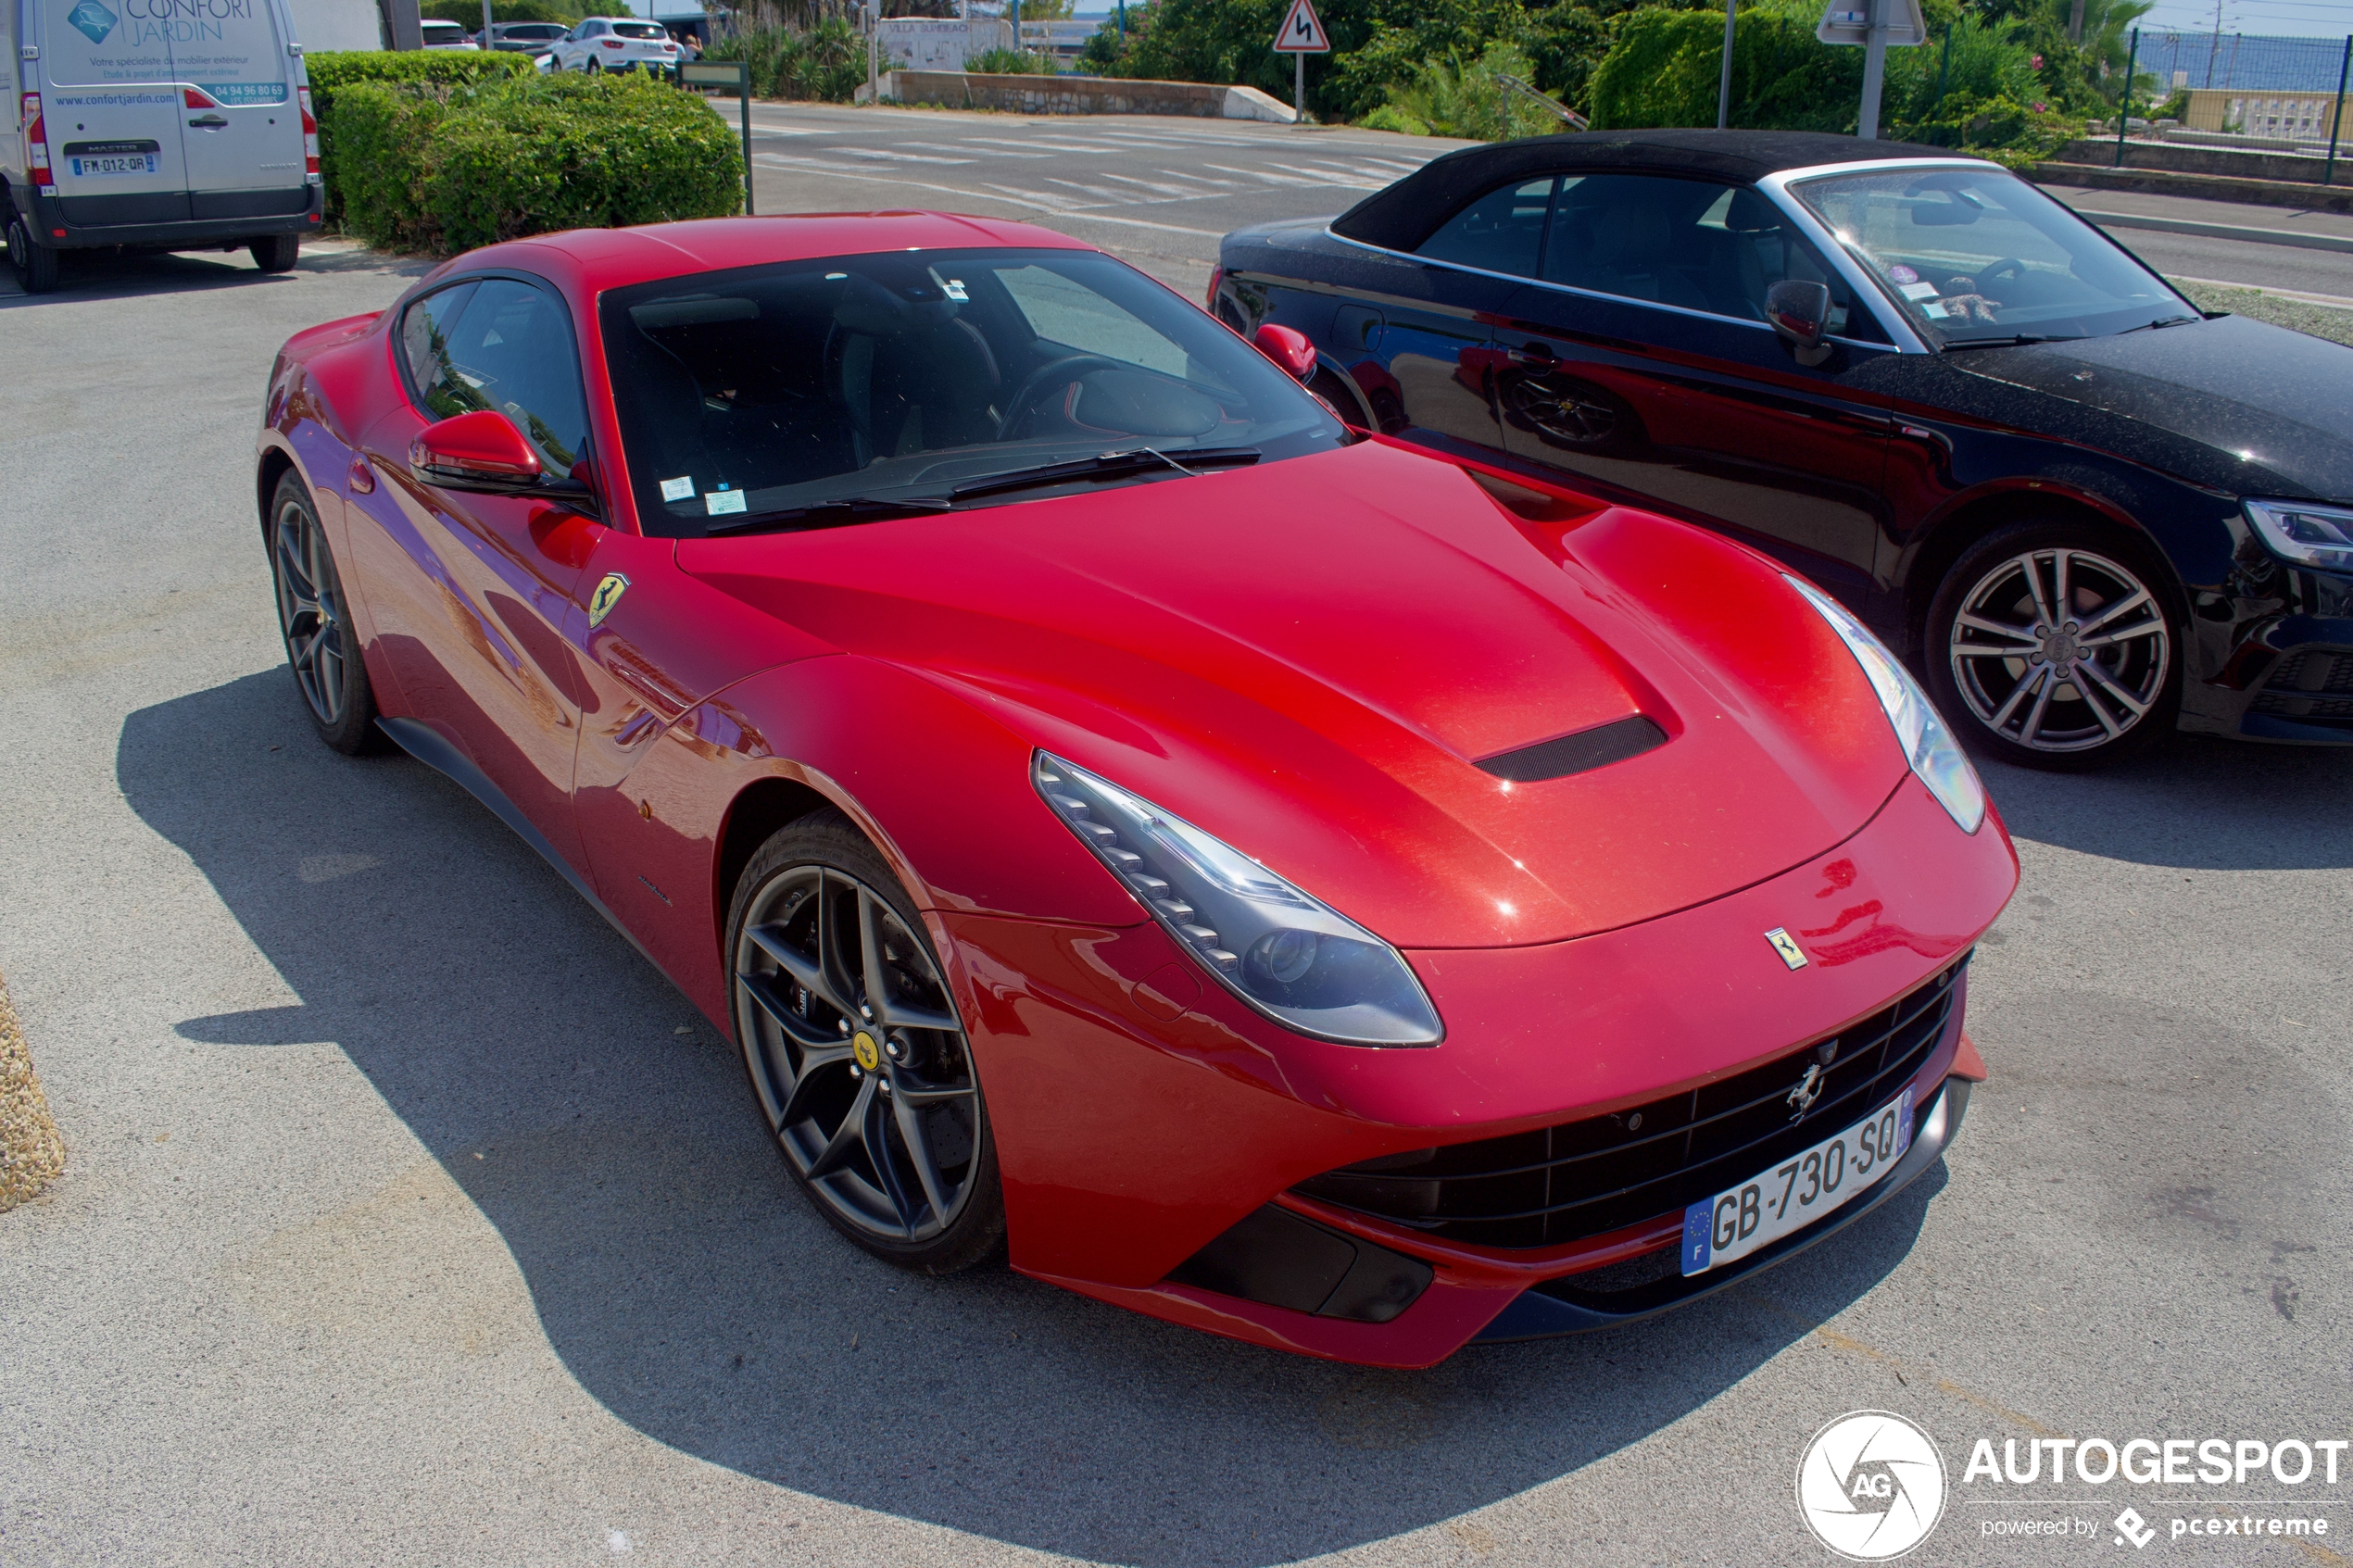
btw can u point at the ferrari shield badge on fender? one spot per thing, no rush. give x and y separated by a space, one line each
608 595
1783 943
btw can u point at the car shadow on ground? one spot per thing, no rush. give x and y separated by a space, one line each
2200 802
90 275
606 1132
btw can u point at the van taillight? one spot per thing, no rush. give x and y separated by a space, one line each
36 142
310 131
1216 277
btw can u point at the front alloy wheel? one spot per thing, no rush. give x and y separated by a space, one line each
2055 646
316 622
856 1054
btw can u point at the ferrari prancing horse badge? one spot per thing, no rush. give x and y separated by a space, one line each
608 595
1785 945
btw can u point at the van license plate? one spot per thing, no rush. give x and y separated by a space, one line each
128 163
1798 1191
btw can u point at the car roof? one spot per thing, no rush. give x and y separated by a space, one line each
1406 213
605 258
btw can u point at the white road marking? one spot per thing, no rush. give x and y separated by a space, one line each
1035 199
888 154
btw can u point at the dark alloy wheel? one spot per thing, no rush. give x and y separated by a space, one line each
855 1052
2051 646
312 615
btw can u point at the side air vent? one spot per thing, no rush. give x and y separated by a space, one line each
1581 752
1274 1256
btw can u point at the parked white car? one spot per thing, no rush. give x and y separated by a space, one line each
603 44
446 36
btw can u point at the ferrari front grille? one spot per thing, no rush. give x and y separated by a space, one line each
1599 1174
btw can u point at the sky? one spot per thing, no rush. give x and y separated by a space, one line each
2275 18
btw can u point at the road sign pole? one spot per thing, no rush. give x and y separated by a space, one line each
743 90
2124 112
1874 73
1298 89
1724 87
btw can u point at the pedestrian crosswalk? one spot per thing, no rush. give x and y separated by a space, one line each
1188 181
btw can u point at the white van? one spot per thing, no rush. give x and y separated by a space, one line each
155 124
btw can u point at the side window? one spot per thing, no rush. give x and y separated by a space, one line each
509 348
424 333
1769 249
1501 232
1689 243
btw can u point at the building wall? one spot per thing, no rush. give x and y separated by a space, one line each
323 25
2300 117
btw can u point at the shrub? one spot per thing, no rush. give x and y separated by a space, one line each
1665 70
446 171
1010 62
827 62
1389 116
1453 99
336 69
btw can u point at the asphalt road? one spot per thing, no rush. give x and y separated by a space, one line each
412 1219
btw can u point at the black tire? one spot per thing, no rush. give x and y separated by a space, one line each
276 253
314 619
844 1111
35 266
593 68
2021 696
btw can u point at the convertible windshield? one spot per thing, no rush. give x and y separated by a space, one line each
914 376
1980 255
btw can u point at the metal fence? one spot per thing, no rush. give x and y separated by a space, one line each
2242 63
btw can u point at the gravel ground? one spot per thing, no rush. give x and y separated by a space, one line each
30 1151
2334 322
414 1219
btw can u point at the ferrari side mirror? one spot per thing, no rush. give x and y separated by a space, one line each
482 451
1800 313
1288 348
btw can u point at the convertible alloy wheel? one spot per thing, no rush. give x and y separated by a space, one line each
1564 410
2062 654
860 1063
313 616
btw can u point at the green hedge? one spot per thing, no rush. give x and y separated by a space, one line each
336 69
446 170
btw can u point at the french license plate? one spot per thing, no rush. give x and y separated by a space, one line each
1798 1191
127 163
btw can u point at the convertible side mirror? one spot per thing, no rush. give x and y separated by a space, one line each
1801 314
1288 348
481 452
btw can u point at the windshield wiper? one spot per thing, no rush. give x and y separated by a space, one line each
1108 465
847 508
2008 342
2162 321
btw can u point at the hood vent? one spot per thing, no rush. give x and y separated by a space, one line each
1581 752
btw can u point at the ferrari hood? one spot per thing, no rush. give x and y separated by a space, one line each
1312 659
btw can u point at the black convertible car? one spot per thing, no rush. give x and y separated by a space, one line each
2088 511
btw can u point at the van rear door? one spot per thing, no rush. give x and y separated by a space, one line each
240 127
112 113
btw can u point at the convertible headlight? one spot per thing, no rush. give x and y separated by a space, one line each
2307 536
1928 745
1286 953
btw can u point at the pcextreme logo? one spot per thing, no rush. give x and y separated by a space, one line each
1870 1485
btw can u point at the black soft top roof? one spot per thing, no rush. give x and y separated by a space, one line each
1406 213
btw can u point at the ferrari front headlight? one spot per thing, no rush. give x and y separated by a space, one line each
1928 745
1280 949
2309 535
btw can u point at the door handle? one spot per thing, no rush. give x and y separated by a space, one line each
209 122
1535 355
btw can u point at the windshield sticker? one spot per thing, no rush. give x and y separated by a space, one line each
1933 310
954 287
679 489
1919 290
720 501
1899 273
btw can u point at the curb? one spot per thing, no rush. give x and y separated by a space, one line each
2301 240
32 1154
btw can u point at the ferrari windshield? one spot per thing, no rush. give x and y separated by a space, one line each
906 376
1980 255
